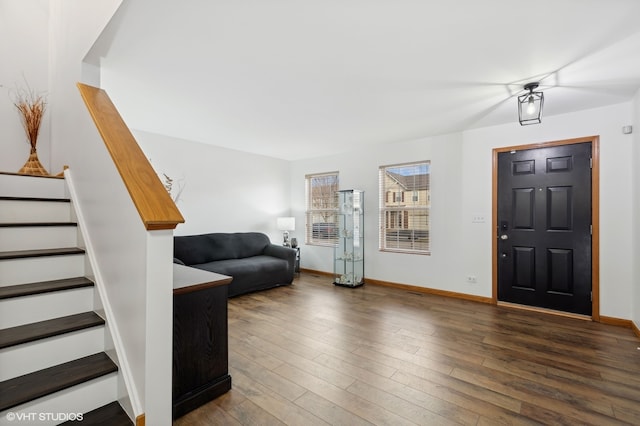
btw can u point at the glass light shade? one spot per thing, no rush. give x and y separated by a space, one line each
530 107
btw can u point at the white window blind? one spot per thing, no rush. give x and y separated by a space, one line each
405 202
322 207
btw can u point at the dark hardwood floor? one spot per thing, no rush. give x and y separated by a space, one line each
313 353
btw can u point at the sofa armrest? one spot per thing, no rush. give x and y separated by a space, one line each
286 253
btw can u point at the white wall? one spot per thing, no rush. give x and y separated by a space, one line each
615 191
24 31
636 210
223 190
359 170
462 188
75 25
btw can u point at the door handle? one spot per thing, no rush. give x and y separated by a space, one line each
504 237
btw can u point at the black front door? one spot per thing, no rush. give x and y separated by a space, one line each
544 227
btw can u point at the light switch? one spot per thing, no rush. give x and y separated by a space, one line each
477 218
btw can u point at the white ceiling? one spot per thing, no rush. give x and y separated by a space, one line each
296 79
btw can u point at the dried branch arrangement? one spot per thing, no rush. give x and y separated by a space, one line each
168 184
31 107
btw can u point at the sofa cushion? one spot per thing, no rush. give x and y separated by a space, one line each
249 244
199 249
251 273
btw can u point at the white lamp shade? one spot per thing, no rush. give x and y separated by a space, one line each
286 223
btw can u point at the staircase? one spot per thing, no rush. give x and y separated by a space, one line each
53 365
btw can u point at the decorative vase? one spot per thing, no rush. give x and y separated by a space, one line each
33 165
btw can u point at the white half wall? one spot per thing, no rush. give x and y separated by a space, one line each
219 189
113 229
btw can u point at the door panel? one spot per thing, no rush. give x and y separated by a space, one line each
559 208
544 232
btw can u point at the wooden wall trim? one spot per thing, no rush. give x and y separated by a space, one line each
140 420
407 287
426 290
617 322
494 227
544 311
595 233
316 272
154 204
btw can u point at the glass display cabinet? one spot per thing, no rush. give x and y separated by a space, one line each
348 258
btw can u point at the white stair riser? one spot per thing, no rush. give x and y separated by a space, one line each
34 211
37 237
33 356
28 357
40 307
77 399
36 269
31 186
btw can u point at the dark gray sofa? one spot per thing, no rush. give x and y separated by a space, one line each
248 257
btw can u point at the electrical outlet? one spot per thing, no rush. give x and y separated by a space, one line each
472 279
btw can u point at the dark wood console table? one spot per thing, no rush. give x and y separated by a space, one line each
200 342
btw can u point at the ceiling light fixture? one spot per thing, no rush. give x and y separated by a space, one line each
530 105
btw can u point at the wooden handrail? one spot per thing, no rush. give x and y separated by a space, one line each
155 207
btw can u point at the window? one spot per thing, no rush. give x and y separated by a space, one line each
405 202
322 208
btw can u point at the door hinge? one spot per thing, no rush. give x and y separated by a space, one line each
591 296
590 229
590 162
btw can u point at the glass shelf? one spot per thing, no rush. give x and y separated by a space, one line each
348 263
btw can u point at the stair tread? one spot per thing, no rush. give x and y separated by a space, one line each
111 414
20 390
55 200
25 175
44 287
35 224
54 327
20 254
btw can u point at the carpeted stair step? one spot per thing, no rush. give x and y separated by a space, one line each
29 387
108 415
44 329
